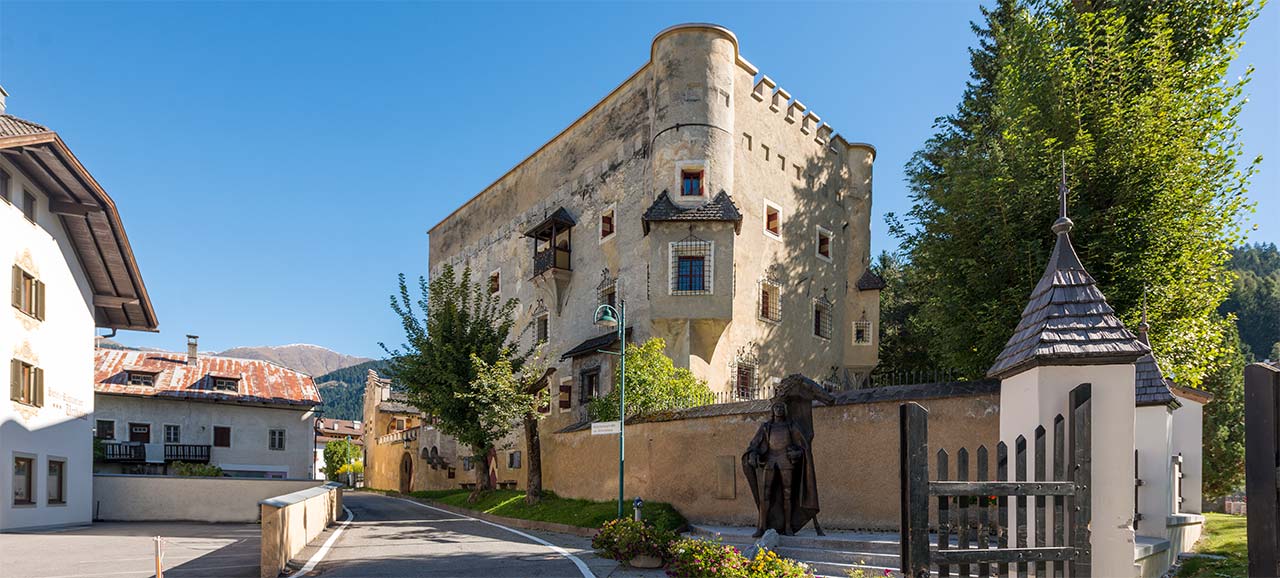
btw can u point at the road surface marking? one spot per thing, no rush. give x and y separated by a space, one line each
320 554
582 566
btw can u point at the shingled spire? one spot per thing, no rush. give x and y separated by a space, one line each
1068 320
1152 385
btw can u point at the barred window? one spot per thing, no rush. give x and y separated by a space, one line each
691 266
544 327
862 332
607 290
770 301
744 379
822 317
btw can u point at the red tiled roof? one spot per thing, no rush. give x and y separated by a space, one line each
260 381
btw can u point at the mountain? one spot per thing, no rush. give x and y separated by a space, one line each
311 359
343 390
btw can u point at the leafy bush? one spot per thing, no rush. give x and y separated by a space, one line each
189 470
624 539
694 558
337 454
654 384
353 467
769 564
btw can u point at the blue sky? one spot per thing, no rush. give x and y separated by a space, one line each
276 165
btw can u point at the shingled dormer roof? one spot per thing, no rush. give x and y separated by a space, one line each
720 208
870 281
1153 388
1068 320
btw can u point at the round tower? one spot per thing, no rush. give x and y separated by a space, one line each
692 80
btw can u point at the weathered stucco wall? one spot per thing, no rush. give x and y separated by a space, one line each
694 464
125 498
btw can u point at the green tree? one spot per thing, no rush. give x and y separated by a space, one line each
461 322
1255 297
654 384
337 454
1134 96
504 396
1224 420
902 347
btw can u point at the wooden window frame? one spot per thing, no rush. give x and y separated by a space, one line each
164 428
97 430
774 233
28 293
29 206
585 378
770 308
219 384
608 223
26 383
689 173
143 376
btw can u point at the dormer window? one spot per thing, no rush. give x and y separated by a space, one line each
691 182
226 384
143 378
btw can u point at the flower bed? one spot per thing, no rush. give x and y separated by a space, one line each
627 540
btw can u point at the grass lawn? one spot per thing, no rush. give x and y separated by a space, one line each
1224 536
582 513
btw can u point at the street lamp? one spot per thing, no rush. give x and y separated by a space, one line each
609 316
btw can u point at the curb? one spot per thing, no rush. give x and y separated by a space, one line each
513 522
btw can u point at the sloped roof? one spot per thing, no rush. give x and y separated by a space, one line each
720 208
1152 385
13 126
260 381
870 281
561 216
338 427
594 344
397 403
1068 320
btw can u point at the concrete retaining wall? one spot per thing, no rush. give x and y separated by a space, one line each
292 521
129 498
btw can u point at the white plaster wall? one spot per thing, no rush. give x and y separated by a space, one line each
249 430
1034 397
1188 432
1154 425
62 345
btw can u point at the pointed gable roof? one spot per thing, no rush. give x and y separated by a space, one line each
1068 320
720 208
1152 387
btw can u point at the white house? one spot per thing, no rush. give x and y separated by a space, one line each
251 418
71 270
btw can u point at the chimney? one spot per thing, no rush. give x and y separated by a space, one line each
193 355
3 95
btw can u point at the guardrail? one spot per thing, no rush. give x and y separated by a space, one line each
292 521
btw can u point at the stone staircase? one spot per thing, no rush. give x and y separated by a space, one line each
833 555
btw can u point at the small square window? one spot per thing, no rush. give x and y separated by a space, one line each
105 429
691 182
772 220
172 434
606 224
862 332
495 282
275 440
56 483
23 481
823 244
770 301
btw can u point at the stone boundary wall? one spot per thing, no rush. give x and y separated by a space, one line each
692 459
136 498
292 521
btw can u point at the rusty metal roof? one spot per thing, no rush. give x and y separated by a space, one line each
259 381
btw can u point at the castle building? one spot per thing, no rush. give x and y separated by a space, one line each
729 218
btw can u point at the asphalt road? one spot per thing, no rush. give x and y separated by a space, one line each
395 537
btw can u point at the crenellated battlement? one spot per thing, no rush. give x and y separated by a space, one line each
766 90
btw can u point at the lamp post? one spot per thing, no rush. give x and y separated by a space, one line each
609 316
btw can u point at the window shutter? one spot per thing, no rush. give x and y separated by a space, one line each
38 390
17 287
566 393
40 300
15 379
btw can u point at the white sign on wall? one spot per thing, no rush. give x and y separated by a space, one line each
601 428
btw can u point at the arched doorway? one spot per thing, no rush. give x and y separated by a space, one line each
406 472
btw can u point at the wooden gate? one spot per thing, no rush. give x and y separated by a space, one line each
975 511
1262 466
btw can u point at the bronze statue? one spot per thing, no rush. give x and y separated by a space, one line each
778 464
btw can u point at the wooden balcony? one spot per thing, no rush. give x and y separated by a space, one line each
190 453
548 259
124 452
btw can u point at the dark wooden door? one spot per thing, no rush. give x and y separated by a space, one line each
140 432
406 473
1262 466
